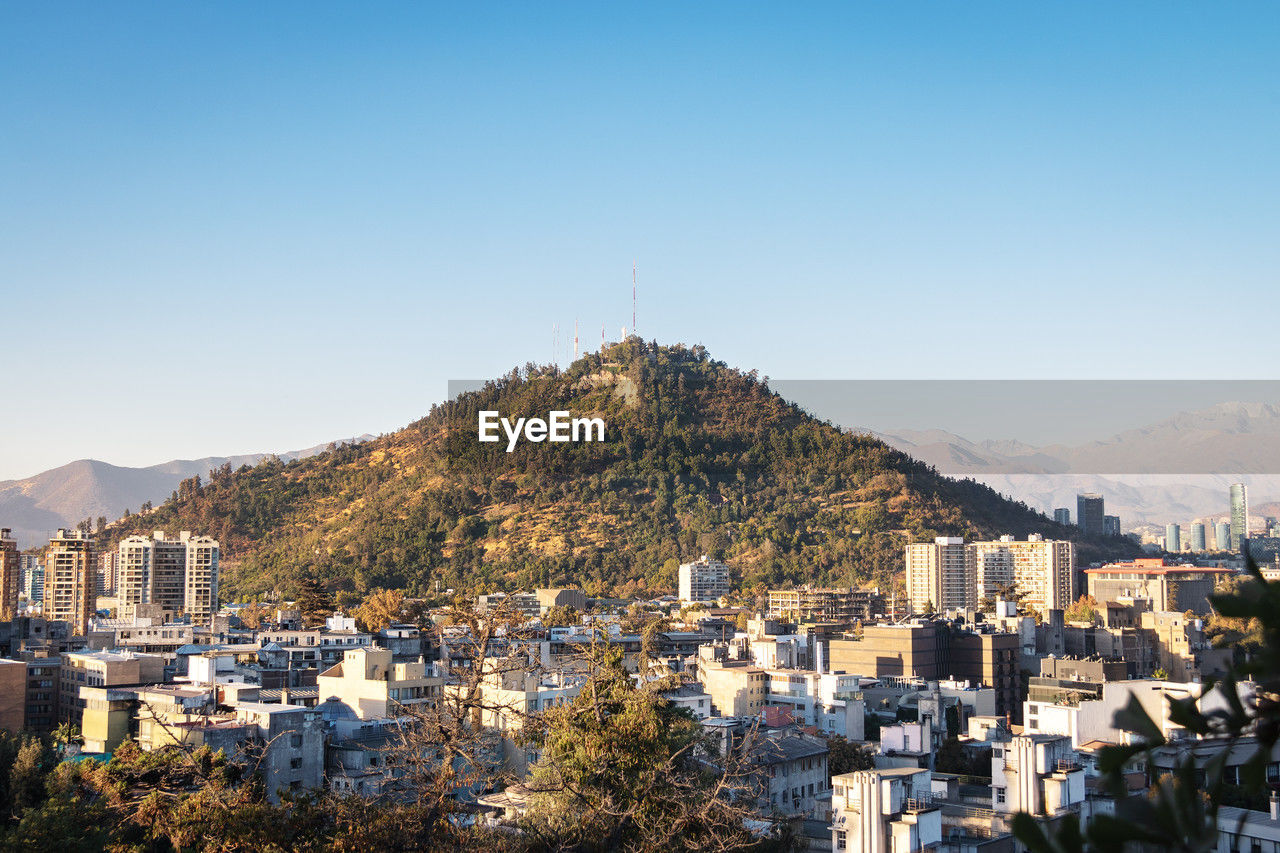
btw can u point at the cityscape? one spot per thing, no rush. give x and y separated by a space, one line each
571 428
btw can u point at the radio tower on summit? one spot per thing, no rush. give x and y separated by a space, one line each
633 297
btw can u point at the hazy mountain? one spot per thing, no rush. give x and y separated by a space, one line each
87 488
1175 470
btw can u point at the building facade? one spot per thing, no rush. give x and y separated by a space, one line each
1043 570
703 581
70 571
178 574
10 575
941 575
1090 511
1239 516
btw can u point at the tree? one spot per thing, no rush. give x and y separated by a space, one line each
27 775
1083 609
315 602
252 615
381 608
621 770
846 757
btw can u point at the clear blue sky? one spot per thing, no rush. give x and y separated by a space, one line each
247 227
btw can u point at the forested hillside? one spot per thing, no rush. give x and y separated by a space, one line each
698 458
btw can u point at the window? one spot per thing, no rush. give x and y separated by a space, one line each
840 839
999 795
295 763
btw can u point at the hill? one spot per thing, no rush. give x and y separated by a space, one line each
698 458
36 506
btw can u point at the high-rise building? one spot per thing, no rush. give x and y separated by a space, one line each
1089 513
107 572
1199 542
1239 516
10 575
941 575
69 574
1172 538
180 575
703 580
33 579
1222 536
1043 570
1111 525
1062 515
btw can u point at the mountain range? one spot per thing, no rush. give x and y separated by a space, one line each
1176 470
35 507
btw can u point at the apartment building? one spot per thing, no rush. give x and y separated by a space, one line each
884 811
917 649
941 575
101 669
43 680
69 579
704 581
792 774
179 574
1043 570
1038 774
737 688
13 694
813 604
10 575
374 686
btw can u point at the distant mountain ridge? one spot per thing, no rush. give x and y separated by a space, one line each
36 506
1175 470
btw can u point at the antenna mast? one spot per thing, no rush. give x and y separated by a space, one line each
633 297
575 339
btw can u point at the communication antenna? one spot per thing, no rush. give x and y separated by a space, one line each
602 337
633 297
575 339
555 344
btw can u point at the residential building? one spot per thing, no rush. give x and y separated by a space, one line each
792 774
989 659
13 695
69 575
179 574
1038 774
43 680
1111 525
737 688
884 811
941 575
101 669
703 581
1239 516
1043 570
830 703
813 604
375 687
510 697
1062 515
692 698
10 575
1089 514
1166 585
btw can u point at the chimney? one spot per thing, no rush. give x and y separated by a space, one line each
1275 806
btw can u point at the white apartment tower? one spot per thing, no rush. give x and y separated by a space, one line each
705 580
1042 569
181 575
941 575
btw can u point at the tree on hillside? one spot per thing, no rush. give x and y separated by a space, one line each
380 609
315 602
